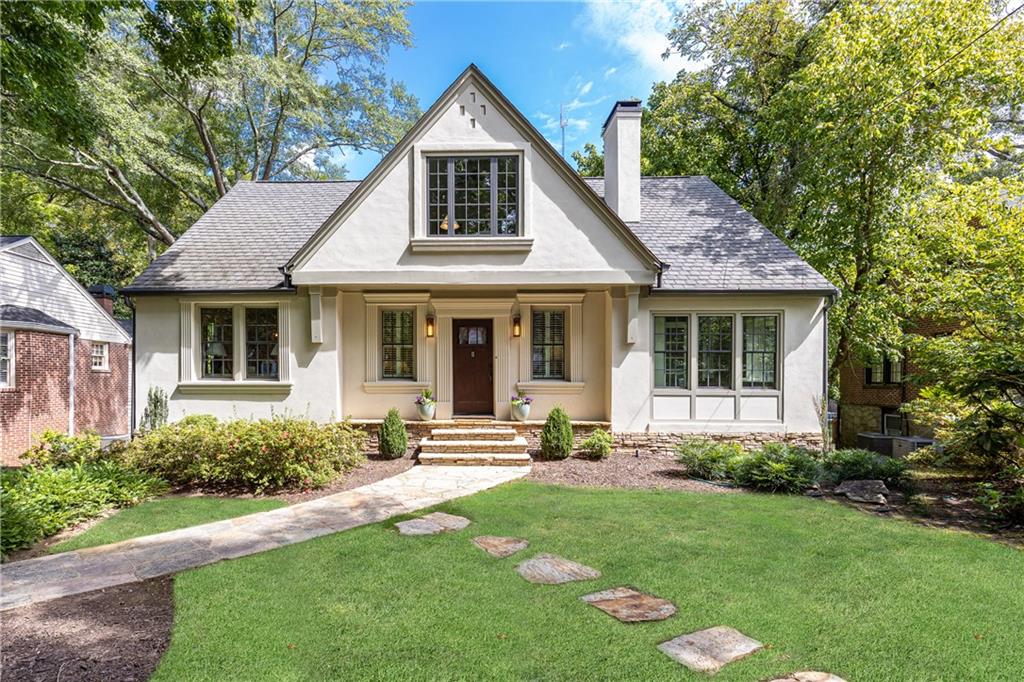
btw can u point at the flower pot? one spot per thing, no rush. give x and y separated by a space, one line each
521 411
426 411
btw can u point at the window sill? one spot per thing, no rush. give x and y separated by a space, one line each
552 387
470 244
397 386
97 370
235 386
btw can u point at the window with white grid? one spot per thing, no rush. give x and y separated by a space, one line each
99 358
6 359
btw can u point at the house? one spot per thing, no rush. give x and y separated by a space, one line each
65 362
475 262
874 394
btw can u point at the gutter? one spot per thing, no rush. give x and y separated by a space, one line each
829 302
131 425
71 384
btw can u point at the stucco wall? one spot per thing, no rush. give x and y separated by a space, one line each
634 397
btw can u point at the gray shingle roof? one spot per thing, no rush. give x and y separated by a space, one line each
244 238
13 315
707 241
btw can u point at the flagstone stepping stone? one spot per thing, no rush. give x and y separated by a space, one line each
707 651
547 569
432 524
810 676
631 606
499 546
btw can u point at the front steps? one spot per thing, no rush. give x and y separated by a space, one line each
474 447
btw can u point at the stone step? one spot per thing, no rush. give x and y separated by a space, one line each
473 434
516 445
475 458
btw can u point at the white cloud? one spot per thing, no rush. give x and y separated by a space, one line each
578 103
639 29
565 44
585 88
549 122
609 72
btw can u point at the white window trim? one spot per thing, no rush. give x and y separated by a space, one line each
10 383
421 241
190 352
738 391
572 304
105 367
375 382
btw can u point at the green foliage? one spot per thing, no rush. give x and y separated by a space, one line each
1005 501
59 449
556 438
36 502
155 414
259 455
393 438
191 36
597 445
589 162
776 468
855 465
707 459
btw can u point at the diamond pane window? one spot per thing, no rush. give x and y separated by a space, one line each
398 344
671 351
760 351
714 351
216 328
470 196
261 348
548 344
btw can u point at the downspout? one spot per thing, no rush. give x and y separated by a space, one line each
829 301
131 426
71 384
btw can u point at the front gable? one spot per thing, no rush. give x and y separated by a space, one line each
564 233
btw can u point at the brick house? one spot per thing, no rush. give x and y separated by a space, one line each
873 395
65 362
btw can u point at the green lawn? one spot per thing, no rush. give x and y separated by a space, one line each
826 587
157 516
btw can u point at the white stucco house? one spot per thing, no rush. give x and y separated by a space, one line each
475 261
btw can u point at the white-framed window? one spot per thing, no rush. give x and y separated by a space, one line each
225 342
398 343
6 359
547 344
888 370
99 358
473 196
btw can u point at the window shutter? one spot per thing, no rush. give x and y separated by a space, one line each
548 341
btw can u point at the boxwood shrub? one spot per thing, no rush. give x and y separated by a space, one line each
256 455
556 438
775 467
707 459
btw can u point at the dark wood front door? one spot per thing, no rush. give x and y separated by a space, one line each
472 367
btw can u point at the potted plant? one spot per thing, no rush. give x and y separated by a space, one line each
521 406
426 405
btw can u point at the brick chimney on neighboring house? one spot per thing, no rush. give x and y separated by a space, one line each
104 293
621 135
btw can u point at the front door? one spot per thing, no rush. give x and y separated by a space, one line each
472 367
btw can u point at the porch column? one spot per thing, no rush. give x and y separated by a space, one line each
444 366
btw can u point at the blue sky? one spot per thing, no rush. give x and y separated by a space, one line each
584 55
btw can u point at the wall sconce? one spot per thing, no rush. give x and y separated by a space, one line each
517 326
430 326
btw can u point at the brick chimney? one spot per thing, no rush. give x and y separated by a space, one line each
621 135
104 293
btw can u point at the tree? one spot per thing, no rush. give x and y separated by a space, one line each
827 119
967 268
304 79
589 163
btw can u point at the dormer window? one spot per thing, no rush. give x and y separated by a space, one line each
473 196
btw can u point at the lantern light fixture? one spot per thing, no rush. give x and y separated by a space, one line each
430 326
517 326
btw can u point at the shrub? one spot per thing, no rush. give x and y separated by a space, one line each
707 459
38 501
59 449
853 465
556 439
597 445
775 467
393 439
155 414
255 455
1006 502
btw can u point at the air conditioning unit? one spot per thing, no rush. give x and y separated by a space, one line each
893 424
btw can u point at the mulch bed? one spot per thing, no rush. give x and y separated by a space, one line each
622 470
112 635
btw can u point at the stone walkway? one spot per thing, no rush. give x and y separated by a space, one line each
36 580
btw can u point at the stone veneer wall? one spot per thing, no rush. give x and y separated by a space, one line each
646 442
